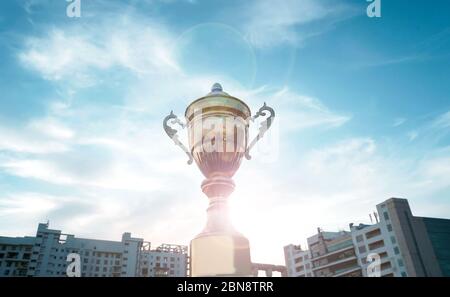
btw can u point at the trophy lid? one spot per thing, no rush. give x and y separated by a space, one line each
218 99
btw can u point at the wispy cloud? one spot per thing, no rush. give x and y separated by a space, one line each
289 22
302 112
398 122
442 121
74 56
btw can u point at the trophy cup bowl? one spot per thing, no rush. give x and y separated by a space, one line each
218 127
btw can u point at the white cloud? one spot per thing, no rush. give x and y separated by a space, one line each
272 23
27 204
25 141
52 127
412 135
398 122
302 112
75 55
443 121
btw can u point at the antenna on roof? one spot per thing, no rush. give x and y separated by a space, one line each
376 216
370 216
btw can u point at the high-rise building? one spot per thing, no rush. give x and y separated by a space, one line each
404 244
46 255
424 243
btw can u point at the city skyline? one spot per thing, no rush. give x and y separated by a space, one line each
362 105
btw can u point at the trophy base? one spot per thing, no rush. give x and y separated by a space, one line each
220 254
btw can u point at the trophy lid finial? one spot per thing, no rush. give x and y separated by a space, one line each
216 88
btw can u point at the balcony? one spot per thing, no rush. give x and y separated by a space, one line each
332 253
343 272
373 233
335 263
376 245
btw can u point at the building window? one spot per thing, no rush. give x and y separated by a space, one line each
359 238
383 255
376 245
362 249
404 274
373 233
400 262
385 265
396 250
386 215
393 239
389 227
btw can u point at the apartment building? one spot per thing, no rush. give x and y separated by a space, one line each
165 260
333 254
46 255
374 242
298 261
15 254
405 244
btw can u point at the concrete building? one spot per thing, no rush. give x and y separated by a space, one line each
333 254
15 254
298 261
46 255
423 243
166 260
438 231
329 254
406 246
268 269
375 239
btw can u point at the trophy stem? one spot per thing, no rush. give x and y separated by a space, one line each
218 189
219 250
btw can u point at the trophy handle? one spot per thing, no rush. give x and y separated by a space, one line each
263 128
172 133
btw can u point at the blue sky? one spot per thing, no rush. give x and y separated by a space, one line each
363 114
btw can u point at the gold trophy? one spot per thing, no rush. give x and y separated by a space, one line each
217 127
